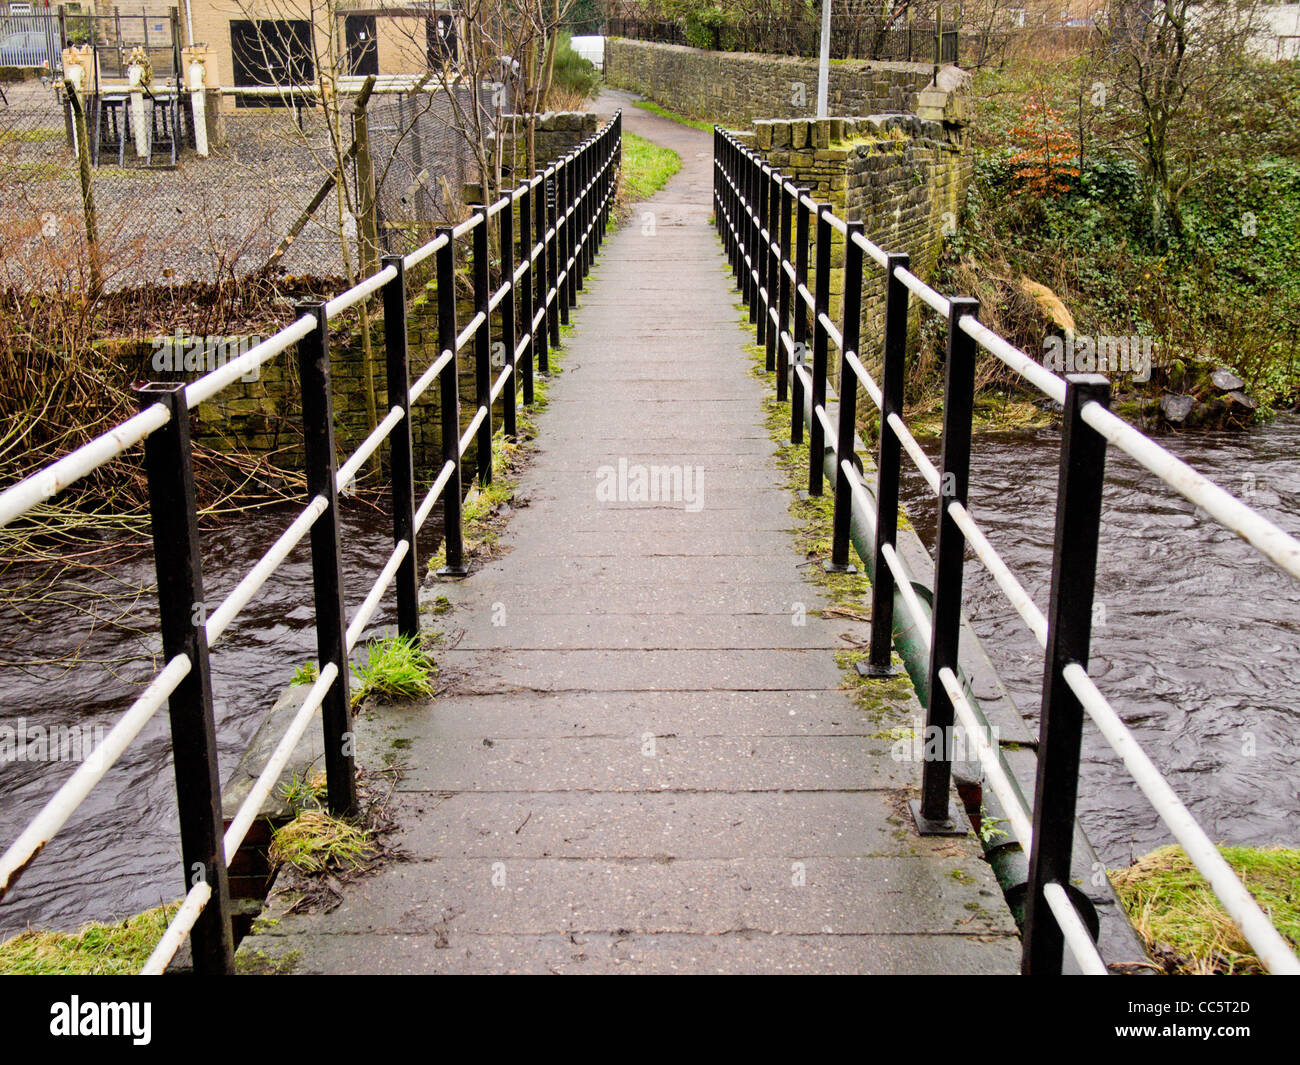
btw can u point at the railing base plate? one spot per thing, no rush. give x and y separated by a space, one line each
866 669
451 571
950 826
834 567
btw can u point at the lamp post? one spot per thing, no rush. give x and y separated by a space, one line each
824 64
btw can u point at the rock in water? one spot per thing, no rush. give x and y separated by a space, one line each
1226 381
1175 409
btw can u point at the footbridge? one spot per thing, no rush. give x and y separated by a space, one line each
668 732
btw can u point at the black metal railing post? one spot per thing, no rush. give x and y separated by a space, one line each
934 814
526 309
786 206
449 400
761 256
555 298
772 257
800 315
888 463
509 413
481 269
565 198
174 526
542 271
821 341
848 414
401 446
1069 634
326 562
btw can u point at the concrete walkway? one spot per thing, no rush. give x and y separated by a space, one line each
644 764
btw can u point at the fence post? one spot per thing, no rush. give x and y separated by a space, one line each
541 272
785 205
821 339
526 291
772 256
571 228
749 188
483 345
367 224
174 525
800 315
889 458
555 310
933 814
401 448
326 566
449 400
509 423
1069 633
847 428
760 256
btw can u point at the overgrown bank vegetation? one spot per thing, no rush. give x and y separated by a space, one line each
1152 197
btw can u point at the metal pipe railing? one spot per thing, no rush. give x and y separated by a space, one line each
582 187
777 294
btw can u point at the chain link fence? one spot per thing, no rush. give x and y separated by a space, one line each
261 201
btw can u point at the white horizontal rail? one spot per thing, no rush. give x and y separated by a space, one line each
257 795
923 290
42 485
1074 931
431 497
343 476
1268 943
244 591
903 582
867 381
427 378
1039 376
468 435
1251 526
55 813
371 602
463 336
424 251
913 449
871 249
501 380
210 384
360 291
181 924
1013 803
999 571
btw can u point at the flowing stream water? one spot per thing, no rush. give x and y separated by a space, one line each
1196 639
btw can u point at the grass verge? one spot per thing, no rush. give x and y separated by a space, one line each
673 116
118 948
1182 923
647 168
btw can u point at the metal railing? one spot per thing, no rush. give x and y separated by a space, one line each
549 230
756 208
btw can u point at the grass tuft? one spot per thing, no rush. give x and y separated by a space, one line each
96 949
314 842
1183 923
396 668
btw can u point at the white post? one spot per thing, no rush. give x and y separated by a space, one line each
824 65
197 97
133 75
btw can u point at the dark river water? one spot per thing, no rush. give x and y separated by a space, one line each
1198 650
1198 645
119 853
